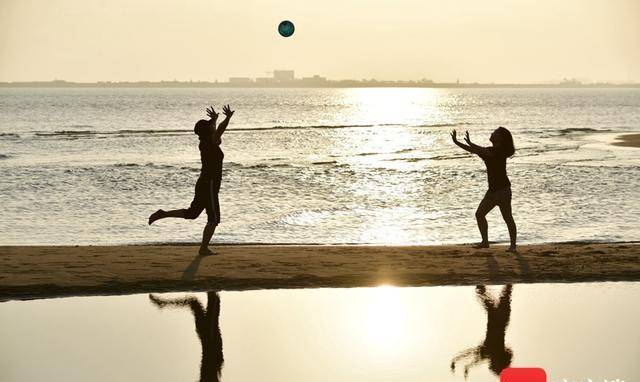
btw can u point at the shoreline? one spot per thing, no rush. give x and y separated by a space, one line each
33 272
627 140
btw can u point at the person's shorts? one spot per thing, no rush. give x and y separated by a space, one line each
206 198
498 197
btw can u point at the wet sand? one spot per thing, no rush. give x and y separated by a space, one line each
628 140
52 271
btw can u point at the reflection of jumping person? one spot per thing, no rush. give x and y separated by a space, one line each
499 193
492 348
208 329
208 184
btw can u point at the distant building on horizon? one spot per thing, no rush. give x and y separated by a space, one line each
284 75
240 80
265 80
316 80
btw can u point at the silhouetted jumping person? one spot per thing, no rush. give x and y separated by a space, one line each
208 184
208 329
493 348
499 193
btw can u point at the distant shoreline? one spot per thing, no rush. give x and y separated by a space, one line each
28 272
302 85
628 140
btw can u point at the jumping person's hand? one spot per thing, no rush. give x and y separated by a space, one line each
227 111
212 113
222 127
466 137
453 135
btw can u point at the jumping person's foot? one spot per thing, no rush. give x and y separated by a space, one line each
481 245
155 216
206 252
512 249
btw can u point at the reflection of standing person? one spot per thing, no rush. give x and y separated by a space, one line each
499 193
208 329
208 184
493 347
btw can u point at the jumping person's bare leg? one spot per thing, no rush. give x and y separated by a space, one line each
174 214
483 209
505 209
207 233
161 214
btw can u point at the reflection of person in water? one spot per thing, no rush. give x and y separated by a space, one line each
207 327
492 348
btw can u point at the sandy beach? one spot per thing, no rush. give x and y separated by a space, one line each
628 140
52 271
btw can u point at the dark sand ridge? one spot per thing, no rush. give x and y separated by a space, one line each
52 271
628 140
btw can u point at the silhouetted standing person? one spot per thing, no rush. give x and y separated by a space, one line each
493 347
208 329
208 184
499 193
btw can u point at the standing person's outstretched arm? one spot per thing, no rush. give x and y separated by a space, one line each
482 151
226 110
472 147
454 138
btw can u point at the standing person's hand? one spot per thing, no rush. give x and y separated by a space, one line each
227 111
466 137
453 135
212 113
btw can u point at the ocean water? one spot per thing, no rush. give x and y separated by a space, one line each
88 166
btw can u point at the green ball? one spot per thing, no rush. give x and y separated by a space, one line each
286 28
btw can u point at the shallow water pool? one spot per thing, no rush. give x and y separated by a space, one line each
575 332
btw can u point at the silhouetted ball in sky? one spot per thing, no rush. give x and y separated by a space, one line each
286 28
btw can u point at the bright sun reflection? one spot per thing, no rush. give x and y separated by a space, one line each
399 121
392 112
385 326
380 106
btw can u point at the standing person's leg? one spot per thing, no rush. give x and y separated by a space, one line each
486 205
505 209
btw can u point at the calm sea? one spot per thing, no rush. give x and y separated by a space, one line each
87 166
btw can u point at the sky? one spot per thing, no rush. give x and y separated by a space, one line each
501 41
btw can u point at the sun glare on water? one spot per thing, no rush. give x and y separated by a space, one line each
399 132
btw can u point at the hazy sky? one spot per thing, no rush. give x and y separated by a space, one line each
475 40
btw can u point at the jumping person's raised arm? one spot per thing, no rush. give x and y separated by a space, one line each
213 119
226 110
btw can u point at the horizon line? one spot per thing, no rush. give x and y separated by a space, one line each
316 81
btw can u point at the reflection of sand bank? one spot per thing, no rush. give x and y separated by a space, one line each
628 140
49 271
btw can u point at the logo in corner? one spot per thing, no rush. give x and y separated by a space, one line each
523 374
